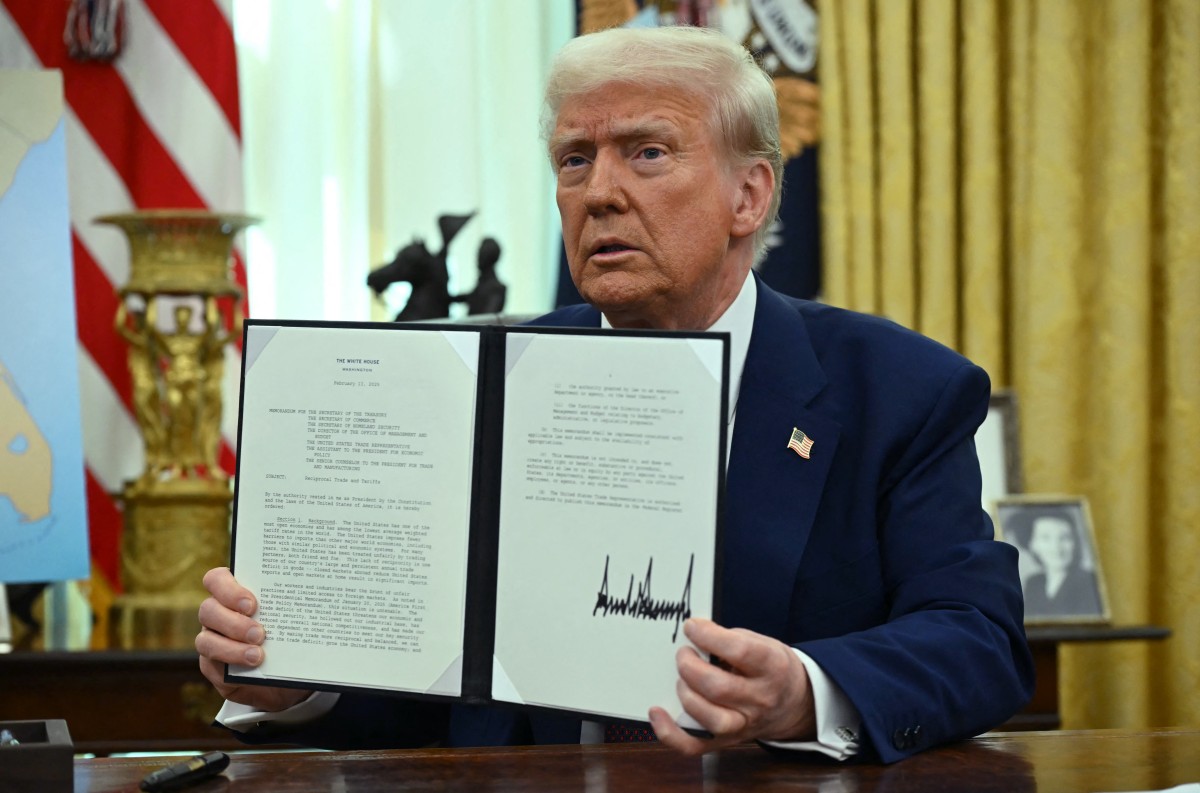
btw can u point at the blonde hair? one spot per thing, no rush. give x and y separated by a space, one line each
744 114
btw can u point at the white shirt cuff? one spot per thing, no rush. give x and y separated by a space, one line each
838 721
243 718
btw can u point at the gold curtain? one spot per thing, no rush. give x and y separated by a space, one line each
1020 179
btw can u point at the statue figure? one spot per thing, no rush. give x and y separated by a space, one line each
489 293
430 297
177 387
215 338
184 383
147 398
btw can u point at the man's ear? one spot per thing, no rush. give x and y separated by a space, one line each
756 186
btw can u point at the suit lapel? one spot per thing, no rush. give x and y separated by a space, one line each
772 493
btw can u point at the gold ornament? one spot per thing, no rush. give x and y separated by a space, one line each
177 313
799 114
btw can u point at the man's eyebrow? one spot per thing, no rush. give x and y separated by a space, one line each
572 139
659 128
653 128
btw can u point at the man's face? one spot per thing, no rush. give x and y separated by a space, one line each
650 207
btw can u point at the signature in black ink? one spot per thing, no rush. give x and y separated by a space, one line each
642 606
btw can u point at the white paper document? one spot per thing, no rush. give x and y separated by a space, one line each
522 516
354 482
610 466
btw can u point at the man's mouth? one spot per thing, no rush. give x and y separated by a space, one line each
610 248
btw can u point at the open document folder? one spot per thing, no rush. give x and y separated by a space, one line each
509 515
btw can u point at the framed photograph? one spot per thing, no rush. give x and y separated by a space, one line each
1059 566
998 445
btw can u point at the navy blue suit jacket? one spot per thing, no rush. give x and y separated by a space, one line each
874 557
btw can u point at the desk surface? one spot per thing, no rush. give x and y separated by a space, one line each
1063 762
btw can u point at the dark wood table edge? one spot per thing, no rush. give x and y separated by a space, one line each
991 739
1094 633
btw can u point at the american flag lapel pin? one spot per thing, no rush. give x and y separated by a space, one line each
801 444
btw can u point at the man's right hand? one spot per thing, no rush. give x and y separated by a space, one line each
229 635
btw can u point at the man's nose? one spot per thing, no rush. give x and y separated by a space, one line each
605 185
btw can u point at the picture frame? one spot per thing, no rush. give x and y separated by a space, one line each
997 443
1059 564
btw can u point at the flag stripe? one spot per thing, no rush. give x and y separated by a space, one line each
105 194
113 452
96 307
127 142
213 57
201 142
226 457
112 445
104 529
226 9
239 275
100 100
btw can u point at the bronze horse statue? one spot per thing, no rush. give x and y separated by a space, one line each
430 298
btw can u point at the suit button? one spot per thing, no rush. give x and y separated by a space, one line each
906 737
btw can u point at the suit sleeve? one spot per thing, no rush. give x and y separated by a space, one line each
951 659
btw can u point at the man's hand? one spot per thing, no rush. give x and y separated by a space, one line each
229 635
760 691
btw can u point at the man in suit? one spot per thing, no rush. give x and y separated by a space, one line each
867 610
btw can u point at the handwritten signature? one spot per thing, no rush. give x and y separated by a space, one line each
642 606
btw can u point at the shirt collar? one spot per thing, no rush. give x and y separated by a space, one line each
738 322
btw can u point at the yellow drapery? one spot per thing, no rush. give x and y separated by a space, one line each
1020 179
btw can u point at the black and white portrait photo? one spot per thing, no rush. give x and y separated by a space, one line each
1059 567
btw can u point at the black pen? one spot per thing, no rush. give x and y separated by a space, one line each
186 773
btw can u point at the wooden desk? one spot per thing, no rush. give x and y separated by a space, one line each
1062 762
124 701
116 701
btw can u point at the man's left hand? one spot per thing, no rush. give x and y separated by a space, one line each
759 691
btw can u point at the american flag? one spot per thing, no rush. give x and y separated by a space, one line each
800 443
157 126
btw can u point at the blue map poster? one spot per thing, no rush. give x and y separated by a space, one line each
43 515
